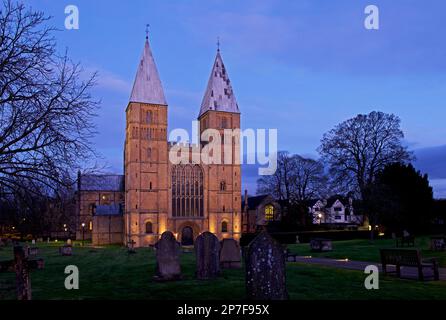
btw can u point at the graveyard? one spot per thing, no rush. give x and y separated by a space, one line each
110 272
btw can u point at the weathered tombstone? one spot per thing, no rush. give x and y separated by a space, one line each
207 249
33 241
23 283
69 242
230 255
297 240
66 250
47 240
265 269
167 258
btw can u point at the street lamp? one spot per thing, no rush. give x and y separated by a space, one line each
83 233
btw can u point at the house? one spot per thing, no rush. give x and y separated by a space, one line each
258 212
334 210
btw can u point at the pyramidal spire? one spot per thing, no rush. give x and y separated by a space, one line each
147 87
219 95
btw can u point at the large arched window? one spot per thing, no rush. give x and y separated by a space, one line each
187 191
149 227
269 213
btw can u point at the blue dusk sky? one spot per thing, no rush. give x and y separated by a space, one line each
299 66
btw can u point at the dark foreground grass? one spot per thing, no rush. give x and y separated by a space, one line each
111 273
365 250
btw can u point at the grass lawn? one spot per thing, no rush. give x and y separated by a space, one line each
364 250
111 273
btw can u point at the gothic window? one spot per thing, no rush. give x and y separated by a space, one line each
149 117
224 226
187 191
269 213
150 185
149 153
222 186
149 227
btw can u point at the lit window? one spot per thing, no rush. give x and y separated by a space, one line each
269 213
90 226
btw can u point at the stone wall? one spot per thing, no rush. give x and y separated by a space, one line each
108 230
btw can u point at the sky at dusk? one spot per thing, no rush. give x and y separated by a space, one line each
299 66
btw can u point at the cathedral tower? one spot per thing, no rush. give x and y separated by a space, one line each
219 110
145 156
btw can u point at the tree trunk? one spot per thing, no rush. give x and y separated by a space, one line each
23 283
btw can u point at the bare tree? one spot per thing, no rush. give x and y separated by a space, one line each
357 149
296 179
46 110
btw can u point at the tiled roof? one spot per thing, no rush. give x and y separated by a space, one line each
108 210
147 87
219 95
102 183
254 202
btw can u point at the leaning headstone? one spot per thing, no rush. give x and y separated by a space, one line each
265 269
23 283
230 255
207 249
167 258
66 250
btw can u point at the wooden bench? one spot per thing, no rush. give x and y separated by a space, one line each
407 258
408 240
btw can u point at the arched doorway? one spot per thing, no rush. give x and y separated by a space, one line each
187 236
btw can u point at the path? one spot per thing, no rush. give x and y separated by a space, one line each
407 272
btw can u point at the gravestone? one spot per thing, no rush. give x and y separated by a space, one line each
207 251
297 240
265 269
230 255
69 242
66 250
167 258
33 241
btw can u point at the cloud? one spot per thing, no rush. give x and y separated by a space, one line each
109 81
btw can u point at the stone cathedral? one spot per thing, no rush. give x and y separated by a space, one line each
154 195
